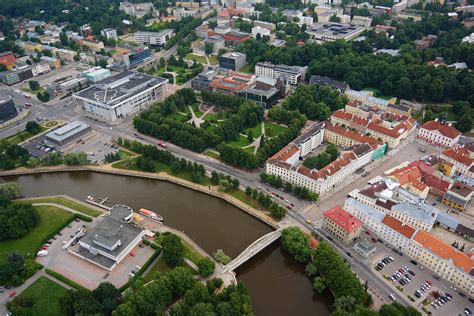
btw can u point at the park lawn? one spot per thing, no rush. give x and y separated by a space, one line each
241 142
191 253
124 154
197 58
27 89
213 60
45 295
272 129
177 117
212 117
68 203
250 149
248 69
160 265
49 124
19 137
196 110
159 71
256 131
197 42
212 154
240 195
51 219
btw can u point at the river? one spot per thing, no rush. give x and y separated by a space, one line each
276 282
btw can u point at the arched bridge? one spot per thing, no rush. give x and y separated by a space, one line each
253 249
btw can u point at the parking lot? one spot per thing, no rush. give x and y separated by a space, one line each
430 294
37 146
85 273
97 146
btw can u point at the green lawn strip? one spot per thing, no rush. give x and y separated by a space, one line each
212 155
197 58
51 219
240 195
272 129
213 60
250 149
22 136
191 253
248 69
160 265
125 154
159 71
212 117
60 277
159 167
256 131
241 142
177 117
44 295
196 110
27 89
378 93
68 203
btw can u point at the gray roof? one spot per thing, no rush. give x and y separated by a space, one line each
267 80
365 245
377 215
399 107
266 93
424 213
447 220
119 87
310 131
67 130
455 198
464 230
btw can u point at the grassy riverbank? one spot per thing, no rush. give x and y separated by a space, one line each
79 207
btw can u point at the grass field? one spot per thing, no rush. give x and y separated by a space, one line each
256 131
378 93
68 203
196 111
51 219
160 266
21 136
250 149
124 154
177 117
191 253
272 129
241 142
248 69
240 195
44 295
213 60
212 154
197 58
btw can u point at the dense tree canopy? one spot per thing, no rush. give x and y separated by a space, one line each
16 219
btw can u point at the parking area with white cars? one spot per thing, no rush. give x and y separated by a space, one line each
407 277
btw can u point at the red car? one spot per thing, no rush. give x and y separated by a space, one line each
367 232
12 294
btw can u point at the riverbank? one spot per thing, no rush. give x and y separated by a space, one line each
211 190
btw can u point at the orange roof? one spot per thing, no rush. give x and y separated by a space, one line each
444 251
398 226
350 117
445 129
392 132
343 219
285 153
407 174
351 134
460 154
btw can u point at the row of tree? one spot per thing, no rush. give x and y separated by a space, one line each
279 183
278 212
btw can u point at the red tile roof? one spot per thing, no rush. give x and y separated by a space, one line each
444 251
406 174
436 183
343 219
360 138
341 114
444 129
285 153
391 132
460 154
398 226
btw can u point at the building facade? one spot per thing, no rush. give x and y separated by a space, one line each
439 134
154 38
295 74
342 225
68 133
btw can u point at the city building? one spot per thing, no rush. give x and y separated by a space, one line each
342 225
217 42
396 232
232 61
398 109
345 138
7 108
391 133
137 10
269 26
458 196
66 54
53 63
330 32
235 38
233 83
120 95
462 159
136 56
328 82
364 247
371 217
109 33
446 261
409 177
154 38
440 134
111 239
181 13
96 74
295 74
32 47
425 42
40 69
7 59
364 21
66 86
203 80
349 120
16 75
68 133
422 216
260 30
93 45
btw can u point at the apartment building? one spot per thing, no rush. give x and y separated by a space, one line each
154 38
439 134
295 74
396 232
93 45
371 217
344 118
345 137
342 225
392 134
462 159
458 196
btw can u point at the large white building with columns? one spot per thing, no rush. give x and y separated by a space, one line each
120 95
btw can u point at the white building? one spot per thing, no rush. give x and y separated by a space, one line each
462 157
439 134
109 33
260 30
295 74
154 38
121 95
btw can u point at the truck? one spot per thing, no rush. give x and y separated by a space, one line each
162 144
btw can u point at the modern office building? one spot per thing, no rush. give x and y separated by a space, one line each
330 32
111 240
109 33
68 133
154 38
7 108
136 56
120 95
295 74
96 74
232 61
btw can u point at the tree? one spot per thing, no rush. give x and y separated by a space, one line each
345 303
221 257
248 191
173 250
32 127
206 266
76 159
465 123
318 285
102 63
209 48
429 116
296 243
16 220
108 296
176 167
250 136
9 191
215 178
34 85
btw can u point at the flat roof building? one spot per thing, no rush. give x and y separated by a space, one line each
232 61
120 95
330 32
68 133
154 38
